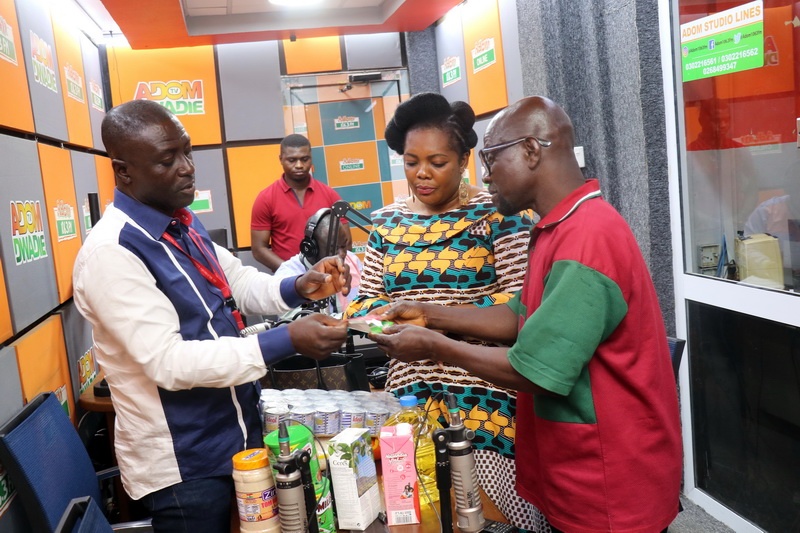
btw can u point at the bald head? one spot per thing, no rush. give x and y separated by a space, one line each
529 147
126 122
536 116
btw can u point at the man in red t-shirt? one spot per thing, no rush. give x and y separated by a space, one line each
280 211
598 440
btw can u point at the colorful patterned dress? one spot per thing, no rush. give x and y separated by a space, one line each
469 255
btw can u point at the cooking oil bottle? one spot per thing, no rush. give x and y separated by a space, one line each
423 428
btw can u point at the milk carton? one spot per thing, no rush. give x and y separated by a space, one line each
355 480
400 488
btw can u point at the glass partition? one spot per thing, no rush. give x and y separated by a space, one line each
738 62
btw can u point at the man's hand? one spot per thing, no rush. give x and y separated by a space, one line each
329 276
407 342
404 312
317 335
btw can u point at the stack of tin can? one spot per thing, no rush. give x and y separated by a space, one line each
327 412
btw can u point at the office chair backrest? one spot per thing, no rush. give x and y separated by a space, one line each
676 347
83 516
46 461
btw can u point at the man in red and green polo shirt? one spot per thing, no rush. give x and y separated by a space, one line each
598 443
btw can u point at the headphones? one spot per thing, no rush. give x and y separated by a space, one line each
308 246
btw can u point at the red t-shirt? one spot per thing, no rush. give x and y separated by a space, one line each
277 209
604 454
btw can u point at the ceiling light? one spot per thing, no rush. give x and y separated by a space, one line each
295 3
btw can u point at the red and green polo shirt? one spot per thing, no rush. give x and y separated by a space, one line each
604 452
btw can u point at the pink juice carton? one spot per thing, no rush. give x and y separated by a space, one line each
400 484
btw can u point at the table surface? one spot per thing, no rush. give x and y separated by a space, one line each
429 519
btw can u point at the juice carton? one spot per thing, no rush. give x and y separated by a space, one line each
355 480
400 486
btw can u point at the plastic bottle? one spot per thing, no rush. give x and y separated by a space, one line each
411 413
256 496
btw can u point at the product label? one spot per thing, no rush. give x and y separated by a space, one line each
257 506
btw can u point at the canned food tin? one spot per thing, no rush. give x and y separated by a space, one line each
374 419
326 420
273 416
352 417
303 415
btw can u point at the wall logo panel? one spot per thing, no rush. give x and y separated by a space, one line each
44 70
96 96
27 231
74 83
181 97
8 49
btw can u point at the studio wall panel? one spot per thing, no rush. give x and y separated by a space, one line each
184 80
105 181
78 339
43 69
25 235
450 58
84 174
250 84
372 51
483 47
73 79
251 169
43 364
93 73
316 54
509 28
6 329
12 515
211 205
10 387
62 214
15 109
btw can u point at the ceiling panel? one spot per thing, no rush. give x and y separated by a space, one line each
171 23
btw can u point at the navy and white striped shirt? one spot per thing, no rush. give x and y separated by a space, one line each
183 383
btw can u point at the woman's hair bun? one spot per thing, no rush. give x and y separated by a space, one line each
464 116
433 109
420 107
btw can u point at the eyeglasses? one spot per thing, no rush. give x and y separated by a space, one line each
488 161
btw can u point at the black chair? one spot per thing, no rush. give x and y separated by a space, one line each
676 347
83 516
219 236
48 464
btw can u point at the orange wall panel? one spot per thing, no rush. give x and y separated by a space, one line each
379 119
182 79
251 169
15 105
105 181
337 155
315 54
62 214
313 125
73 81
480 20
43 364
6 329
391 189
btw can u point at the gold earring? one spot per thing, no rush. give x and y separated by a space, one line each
463 193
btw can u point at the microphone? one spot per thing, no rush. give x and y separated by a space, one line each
469 509
290 487
255 328
443 480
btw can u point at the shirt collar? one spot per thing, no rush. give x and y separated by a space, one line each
286 187
567 206
152 220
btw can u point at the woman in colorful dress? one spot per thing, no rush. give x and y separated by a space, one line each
448 244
